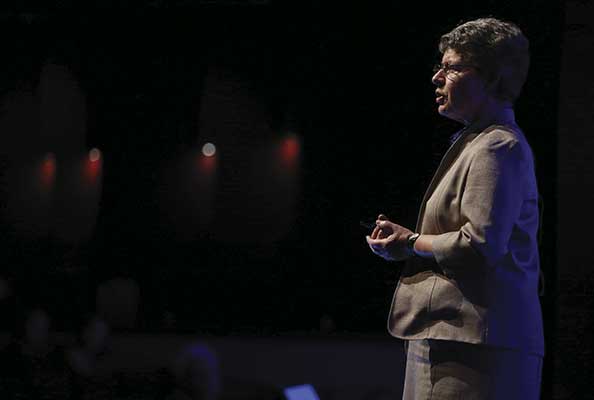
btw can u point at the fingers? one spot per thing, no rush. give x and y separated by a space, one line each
372 245
382 229
375 244
380 241
385 227
376 232
381 221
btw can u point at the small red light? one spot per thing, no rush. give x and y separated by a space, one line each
290 149
207 164
48 170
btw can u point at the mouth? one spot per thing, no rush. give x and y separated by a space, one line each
440 98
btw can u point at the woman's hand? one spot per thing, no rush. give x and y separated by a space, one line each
389 240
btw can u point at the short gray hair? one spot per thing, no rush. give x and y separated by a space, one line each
498 49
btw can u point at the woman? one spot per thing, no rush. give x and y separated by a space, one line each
467 304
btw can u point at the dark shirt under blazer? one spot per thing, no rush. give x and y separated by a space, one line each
482 286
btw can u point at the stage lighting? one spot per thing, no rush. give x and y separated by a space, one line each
300 392
209 149
94 154
290 148
48 170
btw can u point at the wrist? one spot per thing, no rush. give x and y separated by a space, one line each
410 243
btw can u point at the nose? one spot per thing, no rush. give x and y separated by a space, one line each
438 78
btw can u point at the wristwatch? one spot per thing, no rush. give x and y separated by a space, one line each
410 242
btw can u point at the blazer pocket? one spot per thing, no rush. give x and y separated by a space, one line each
446 301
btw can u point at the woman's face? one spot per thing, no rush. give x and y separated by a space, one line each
461 92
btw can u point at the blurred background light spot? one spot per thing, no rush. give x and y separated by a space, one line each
48 170
94 155
209 149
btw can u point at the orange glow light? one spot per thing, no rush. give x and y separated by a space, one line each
48 170
207 164
290 149
92 166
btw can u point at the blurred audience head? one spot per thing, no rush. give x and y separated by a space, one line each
94 334
196 372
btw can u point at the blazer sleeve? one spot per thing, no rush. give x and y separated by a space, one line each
490 206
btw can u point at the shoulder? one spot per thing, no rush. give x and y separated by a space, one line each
499 137
504 142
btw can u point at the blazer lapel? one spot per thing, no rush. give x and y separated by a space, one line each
446 162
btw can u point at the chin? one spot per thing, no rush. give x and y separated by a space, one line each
443 111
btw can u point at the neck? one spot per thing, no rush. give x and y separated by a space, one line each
497 113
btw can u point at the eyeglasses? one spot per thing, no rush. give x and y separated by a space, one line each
447 68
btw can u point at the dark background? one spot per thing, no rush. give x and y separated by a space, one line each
351 81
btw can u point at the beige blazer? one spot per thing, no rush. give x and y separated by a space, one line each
482 286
